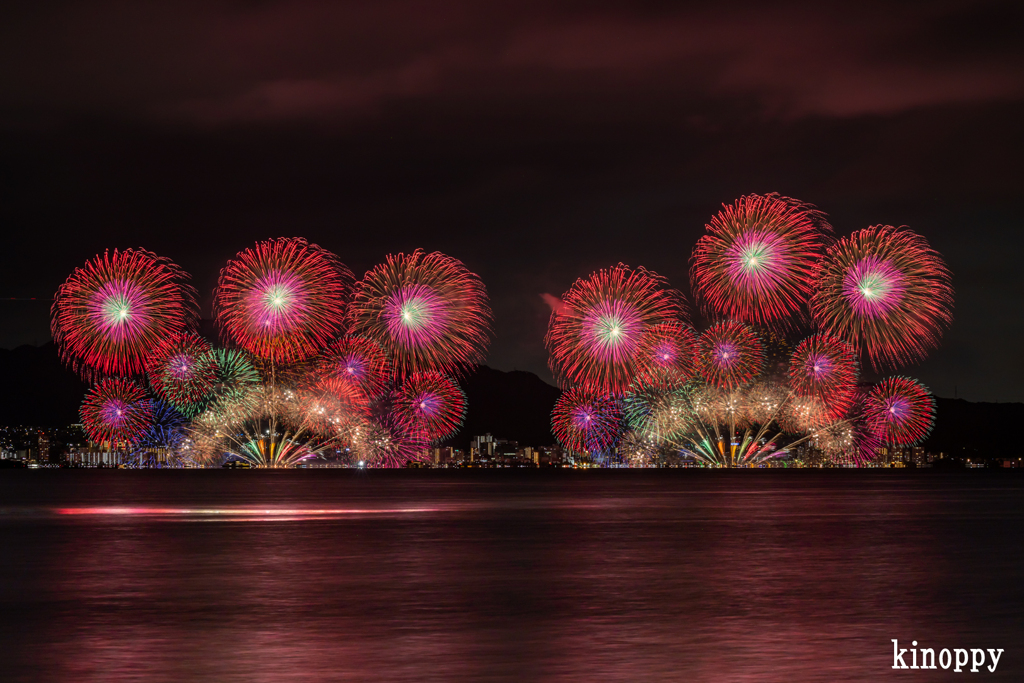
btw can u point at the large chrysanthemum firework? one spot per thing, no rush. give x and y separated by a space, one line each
357 361
886 291
113 310
182 371
596 337
668 355
117 410
730 354
283 300
427 311
900 411
585 422
825 368
757 261
429 403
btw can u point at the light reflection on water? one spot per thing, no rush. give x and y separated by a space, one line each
412 576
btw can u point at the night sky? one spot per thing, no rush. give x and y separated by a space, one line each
536 141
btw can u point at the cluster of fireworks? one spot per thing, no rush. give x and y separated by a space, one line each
794 310
313 361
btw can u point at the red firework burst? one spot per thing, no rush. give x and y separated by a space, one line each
585 422
886 291
757 261
117 410
825 368
112 311
283 300
183 371
595 338
429 403
357 361
900 411
427 311
731 354
667 356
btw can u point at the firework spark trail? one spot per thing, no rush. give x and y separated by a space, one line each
283 300
110 313
585 422
900 411
116 410
183 372
757 260
427 311
595 340
885 291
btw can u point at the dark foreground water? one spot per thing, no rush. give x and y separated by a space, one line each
543 576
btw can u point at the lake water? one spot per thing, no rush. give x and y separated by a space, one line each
676 575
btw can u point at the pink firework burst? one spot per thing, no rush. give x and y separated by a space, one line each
183 372
585 422
731 354
427 311
667 356
900 411
825 368
595 338
757 261
357 361
111 312
429 403
117 410
283 300
887 292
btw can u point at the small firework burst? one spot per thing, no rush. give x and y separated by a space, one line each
283 300
382 443
357 361
756 262
429 403
657 414
596 337
585 422
427 311
111 312
825 368
668 355
886 291
900 411
182 372
730 355
117 410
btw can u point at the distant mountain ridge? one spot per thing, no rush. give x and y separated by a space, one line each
39 390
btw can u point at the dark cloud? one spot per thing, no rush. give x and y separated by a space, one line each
534 140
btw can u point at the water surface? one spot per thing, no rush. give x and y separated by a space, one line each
472 575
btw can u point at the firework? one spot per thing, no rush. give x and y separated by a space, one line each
825 368
638 449
657 414
357 361
427 311
113 310
900 411
235 375
585 422
429 403
283 300
116 410
667 356
886 291
382 443
182 371
271 427
595 339
730 355
162 443
757 261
